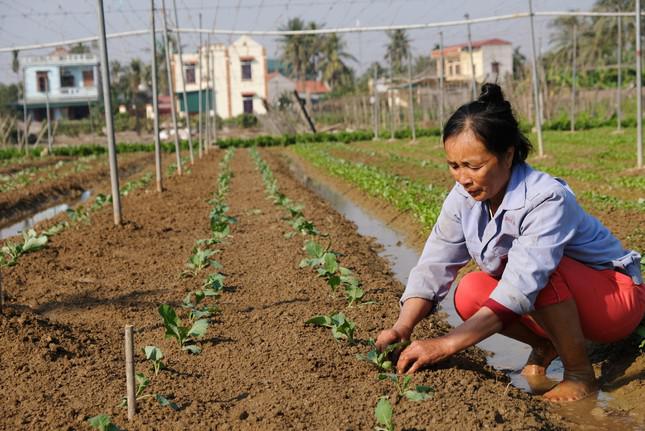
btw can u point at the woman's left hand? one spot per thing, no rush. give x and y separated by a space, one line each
421 353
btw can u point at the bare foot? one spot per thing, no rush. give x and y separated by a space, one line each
539 359
571 390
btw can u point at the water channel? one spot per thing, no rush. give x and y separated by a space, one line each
505 354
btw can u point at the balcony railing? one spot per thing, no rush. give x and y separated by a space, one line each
67 58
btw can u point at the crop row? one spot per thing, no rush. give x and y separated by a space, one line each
423 201
190 322
37 175
325 262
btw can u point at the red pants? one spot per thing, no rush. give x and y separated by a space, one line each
610 306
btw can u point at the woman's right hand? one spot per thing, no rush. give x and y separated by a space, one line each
391 336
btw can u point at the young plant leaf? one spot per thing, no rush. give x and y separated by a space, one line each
102 423
165 402
198 329
384 415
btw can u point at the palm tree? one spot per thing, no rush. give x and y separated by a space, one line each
333 58
295 52
397 50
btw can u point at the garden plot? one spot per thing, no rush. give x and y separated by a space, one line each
261 365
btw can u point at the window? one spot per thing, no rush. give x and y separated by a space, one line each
495 67
247 102
66 78
190 73
88 78
246 71
41 81
457 69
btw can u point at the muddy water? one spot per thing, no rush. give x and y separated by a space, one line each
505 354
43 215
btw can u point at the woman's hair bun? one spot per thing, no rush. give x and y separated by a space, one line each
492 95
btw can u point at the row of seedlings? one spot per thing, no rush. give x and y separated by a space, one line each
199 305
325 262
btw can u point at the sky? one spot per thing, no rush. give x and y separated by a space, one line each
42 21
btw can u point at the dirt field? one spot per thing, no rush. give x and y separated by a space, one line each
61 335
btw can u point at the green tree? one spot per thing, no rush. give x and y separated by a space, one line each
333 62
295 49
80 48
397 50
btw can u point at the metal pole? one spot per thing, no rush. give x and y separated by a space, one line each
441 82
199 92
376 101
155 99
536 101
208 92
390 94
171 90
109 126
619 83
639 85
214 96
183 84
49 120
573 80
411 99
25 130
473 82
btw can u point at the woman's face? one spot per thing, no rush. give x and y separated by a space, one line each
480 172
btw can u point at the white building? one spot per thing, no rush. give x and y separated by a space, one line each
492 58
240 78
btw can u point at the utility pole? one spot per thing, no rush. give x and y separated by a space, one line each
619 83
171 89
639 90
410 98
155 98
109 121
441 82
183 84
536 100
573 80
473 82
199 98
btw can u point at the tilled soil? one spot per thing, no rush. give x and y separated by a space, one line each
261 366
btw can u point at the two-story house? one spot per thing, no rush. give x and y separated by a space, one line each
240 78
492 58
68 82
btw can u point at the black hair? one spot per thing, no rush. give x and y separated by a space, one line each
491 119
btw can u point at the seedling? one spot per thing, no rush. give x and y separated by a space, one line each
199 260
100 201
341 326
419 393
78 214
384 415
214 283
154 355
142 383
9 253
315 254
183 334
55 229
640 330
304 226
102 423
382 360
203 312
216 237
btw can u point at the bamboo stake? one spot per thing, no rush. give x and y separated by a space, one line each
1 294
129 371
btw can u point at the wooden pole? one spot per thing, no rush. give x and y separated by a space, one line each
155 100
183 85
1 294
573 80
619 84
129 371
199 90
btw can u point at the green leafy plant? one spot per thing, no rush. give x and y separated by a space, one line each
55 229
341 327
199 260
640 330
100 201
142 384
384 415
215 283
154 355
382 360
102 423
197 312
78 214
185 335
419 393
10 252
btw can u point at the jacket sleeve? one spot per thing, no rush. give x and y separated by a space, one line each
444 254
536 253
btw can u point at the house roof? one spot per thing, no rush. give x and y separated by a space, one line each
453 49
312 87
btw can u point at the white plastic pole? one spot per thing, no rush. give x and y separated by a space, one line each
619 83
573 79
183 84
411 99
49 118
155 98
441 82
171 89
199 91
639 90
109 120
536 100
